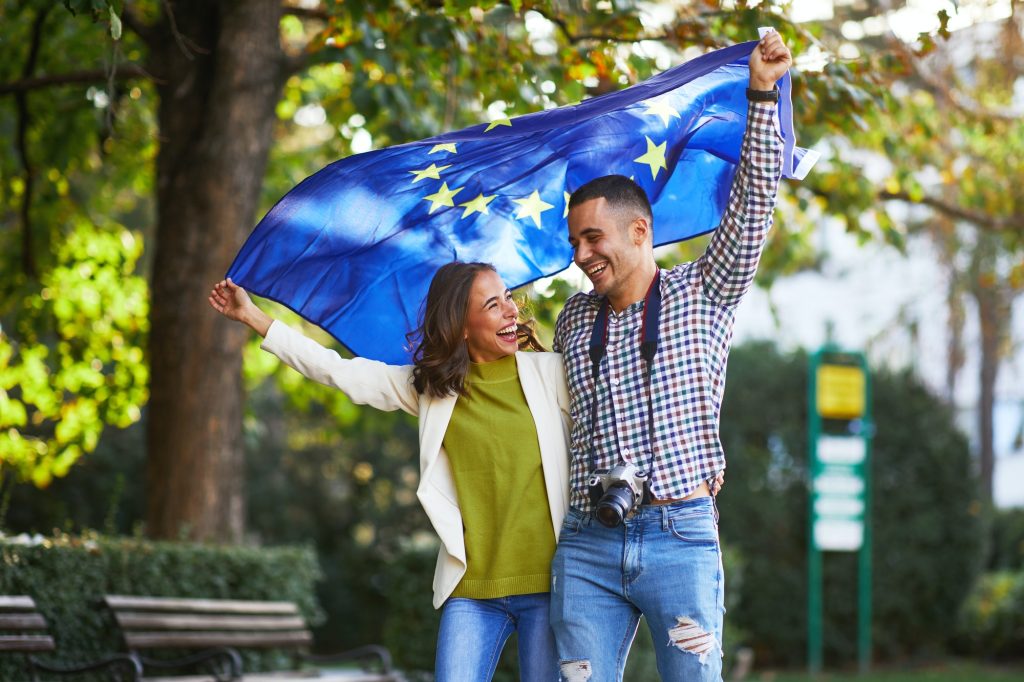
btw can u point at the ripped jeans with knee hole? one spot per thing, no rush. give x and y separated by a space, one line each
663 562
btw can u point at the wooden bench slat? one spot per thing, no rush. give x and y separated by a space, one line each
17 603
26 643
22 621
134 620
230 606
204 640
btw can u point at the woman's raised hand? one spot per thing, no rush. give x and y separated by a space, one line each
230 300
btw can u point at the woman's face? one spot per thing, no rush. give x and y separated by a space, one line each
491 319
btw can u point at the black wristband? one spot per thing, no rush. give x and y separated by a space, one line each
763 95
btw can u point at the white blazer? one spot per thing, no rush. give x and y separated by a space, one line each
390 387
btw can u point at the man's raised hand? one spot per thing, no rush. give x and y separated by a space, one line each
769 62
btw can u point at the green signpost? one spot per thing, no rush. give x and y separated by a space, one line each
840 430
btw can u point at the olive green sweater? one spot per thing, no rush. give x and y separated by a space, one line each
492 445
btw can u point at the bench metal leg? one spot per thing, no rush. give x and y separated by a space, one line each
229 657
128 664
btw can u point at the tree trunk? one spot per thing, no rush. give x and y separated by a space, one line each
216 118
994 319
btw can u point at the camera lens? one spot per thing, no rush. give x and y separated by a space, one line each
614 505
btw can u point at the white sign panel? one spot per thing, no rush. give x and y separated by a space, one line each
838 489
839 535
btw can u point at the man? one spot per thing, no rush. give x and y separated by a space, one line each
645 356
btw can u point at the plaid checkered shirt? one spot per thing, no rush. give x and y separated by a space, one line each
699 300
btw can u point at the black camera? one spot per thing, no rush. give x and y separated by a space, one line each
617 491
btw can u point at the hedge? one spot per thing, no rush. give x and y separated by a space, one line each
68 575
992 617
928 520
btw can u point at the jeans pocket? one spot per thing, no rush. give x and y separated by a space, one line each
695 528
571 525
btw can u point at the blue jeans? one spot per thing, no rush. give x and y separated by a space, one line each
663 562
473 633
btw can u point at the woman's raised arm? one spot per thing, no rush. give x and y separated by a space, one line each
232 301
365 382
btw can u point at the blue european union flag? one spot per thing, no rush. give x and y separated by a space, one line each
353 247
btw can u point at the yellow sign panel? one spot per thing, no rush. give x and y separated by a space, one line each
840 391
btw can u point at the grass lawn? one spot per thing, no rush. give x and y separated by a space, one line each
951 672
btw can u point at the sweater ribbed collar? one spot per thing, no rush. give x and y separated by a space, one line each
492 372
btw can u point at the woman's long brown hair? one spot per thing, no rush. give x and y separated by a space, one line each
440 356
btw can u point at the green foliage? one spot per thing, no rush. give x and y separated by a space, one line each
74 304
992 618
925 514
68 576
951 671
81 336
410 624
1007 532
98 493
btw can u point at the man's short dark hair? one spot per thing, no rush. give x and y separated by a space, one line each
618 190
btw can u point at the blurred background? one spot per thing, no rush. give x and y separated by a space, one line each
142 140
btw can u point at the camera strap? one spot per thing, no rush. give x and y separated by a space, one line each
649 320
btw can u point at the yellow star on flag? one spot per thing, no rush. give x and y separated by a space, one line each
654 157
661 109
532 206
434 173
478 205
443 147
443 197
504 121
565 211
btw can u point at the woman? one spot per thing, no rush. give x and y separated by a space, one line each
493 427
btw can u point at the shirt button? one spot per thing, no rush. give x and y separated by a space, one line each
614 382
625 452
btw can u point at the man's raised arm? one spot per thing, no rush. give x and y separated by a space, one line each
730 262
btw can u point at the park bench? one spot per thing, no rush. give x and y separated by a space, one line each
217 630
23 630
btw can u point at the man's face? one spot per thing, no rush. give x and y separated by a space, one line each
606 244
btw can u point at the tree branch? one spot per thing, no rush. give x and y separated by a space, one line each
991 222
185 44
28 261
29 83
943 91
573 38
